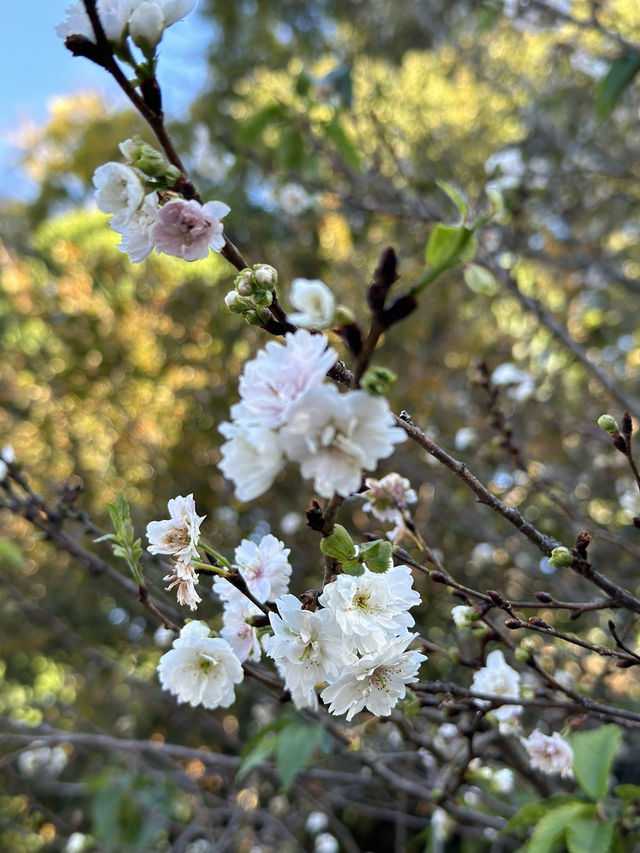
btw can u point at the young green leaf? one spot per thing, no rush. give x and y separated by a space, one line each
296 742
593 754
620 75
376 555
338 545
552 827
587 835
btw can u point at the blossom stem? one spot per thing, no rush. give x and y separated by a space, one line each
216 554
207 567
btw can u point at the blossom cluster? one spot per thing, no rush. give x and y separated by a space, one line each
354 645
288 412
184 229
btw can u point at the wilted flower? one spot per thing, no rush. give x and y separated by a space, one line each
178 536
200 669
188 229
315 303
184 577
549 753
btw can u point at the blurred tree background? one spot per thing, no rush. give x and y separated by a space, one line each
327 127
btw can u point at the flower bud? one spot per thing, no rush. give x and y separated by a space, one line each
377 380
237 304
560 558
608 424
266 276
146 25
263 298
257 317
344 316
244 282
522 655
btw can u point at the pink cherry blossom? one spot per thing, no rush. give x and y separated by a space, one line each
188 229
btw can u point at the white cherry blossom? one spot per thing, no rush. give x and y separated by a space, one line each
307 648
550 754
334 437
316 304
137 240
200 669
275 380
499 679
371 608
236 617
264 567
119 191
376 682
113 15
178 535
251 458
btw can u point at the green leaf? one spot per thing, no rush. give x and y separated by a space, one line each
620 75
589 835
628 793
376 555
593 754
525 817
336 134
255 124
552 827
353 567
462 206
338 545
295 744
446 245
264 748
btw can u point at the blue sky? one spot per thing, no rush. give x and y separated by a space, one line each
35 66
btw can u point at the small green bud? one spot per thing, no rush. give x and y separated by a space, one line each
344 316
338 545
522 655
266 276
454 655
257 317
377 380
237 304
560 558
263 298
171 175
608 424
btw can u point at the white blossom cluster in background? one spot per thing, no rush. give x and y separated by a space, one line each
184 229
549 754
288 412
354 646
